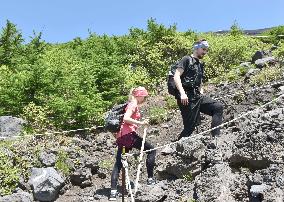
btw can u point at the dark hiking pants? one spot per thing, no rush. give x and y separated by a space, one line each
150 161
190 114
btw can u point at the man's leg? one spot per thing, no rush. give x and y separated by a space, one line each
215 109
189 115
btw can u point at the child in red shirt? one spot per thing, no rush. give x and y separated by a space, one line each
128 138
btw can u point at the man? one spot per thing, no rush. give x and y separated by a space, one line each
187 76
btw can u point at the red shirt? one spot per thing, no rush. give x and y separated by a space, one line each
127 128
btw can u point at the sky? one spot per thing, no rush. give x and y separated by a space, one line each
63 20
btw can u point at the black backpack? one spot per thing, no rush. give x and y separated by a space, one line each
172 89
114 117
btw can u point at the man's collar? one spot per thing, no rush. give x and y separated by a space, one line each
195 60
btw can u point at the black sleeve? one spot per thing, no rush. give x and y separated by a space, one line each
183 63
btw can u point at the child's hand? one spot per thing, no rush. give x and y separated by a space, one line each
145 122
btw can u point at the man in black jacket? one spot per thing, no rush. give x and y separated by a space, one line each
188 75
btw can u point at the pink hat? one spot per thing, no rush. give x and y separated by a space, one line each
140 91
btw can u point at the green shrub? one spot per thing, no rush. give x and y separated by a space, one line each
273 34
62 164
267 74
158 115
188 176
9 174
171 102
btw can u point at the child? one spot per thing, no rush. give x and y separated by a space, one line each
128 137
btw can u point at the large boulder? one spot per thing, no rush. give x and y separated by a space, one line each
187 159
260 55
218 183
261 140
10 126
154 193
46 183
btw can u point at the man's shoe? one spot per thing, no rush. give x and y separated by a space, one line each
113 196
211 145
151 181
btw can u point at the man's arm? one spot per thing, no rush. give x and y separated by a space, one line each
184 99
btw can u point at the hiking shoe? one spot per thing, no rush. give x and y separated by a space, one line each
113 196
151 181
211 145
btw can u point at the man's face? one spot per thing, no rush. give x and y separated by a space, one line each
201 52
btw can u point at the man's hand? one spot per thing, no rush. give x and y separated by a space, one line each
184 99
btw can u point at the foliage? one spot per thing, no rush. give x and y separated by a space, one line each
273 34
9 174
171 102
71 85
62 164
267 74
158 115
188 176
12 166
106 164
228 51
37 116
279 52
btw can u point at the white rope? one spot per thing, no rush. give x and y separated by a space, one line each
125 165
49 133
140 161
209 130
95 127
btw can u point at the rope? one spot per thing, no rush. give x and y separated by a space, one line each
209 130
96 127
50 133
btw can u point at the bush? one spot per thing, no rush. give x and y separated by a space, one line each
267 74
171 102
158 115
62 164
227 52
9 174
273 35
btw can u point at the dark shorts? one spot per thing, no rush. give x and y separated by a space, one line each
127 140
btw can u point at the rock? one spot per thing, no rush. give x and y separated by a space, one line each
10 126
154 193
186 161
257 55
251 72
81 177
165 126
281 88
168 150
219 183
260 63
18 197
46 183
47 159
246 64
